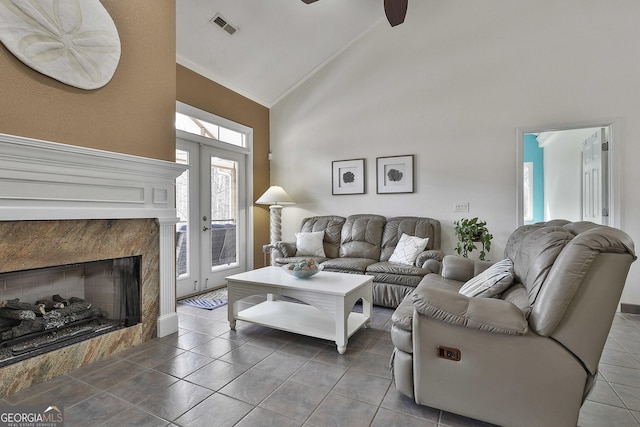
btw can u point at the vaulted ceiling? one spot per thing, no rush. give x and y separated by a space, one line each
277 43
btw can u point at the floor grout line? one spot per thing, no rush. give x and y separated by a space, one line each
371 345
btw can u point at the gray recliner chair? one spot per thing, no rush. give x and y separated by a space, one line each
529 356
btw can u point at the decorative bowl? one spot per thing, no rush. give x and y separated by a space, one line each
303 269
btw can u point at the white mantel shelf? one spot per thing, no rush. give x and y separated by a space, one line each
47 180
43 180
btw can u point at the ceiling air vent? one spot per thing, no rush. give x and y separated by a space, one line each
223 24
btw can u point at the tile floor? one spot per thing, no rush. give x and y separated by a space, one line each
207 375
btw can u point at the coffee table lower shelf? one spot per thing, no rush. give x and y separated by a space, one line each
299 318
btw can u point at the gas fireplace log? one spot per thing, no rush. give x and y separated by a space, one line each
84 314
50 305
70 309
15 304
9 313
24 328
6 324
65 302
60 321
62 316
41 324
58 298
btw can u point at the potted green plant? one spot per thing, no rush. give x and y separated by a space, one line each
470 232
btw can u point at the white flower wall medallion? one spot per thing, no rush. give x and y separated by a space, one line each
73 41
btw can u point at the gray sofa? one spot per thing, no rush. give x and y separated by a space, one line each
363 244
529 355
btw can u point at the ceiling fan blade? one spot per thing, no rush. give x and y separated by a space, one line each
395 10
309 1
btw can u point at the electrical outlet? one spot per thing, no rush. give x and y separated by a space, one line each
461 207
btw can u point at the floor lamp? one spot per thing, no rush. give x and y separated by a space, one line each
275 197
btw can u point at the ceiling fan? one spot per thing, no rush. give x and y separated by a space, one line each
395 10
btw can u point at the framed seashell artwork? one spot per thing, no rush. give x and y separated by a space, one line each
347 176
394 174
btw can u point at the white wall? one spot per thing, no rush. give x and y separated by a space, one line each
452 85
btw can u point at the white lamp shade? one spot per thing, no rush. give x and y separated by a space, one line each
275 195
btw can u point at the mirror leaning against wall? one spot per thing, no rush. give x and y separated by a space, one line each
569 171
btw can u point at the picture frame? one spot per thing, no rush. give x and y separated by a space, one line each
347 177
394 174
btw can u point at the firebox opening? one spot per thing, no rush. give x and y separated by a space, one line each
48 308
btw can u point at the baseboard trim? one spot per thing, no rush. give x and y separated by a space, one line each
167 324
630 308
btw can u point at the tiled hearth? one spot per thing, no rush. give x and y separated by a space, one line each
60 205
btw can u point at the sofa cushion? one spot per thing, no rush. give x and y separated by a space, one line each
310 243
490 282
516 294
297 259
408 248
332 227
413 226
533 250
347 265
398 274
362 237
567 275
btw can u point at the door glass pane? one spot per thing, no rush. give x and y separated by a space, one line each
209 130
232 137
224 177
182 209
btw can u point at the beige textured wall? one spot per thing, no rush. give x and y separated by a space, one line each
200 92
132 114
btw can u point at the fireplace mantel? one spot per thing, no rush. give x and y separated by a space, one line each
43 180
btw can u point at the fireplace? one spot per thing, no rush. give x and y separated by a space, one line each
45 248
63 206
48 308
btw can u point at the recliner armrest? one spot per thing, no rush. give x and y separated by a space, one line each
430 259
462 269
403 314
283 250
486 314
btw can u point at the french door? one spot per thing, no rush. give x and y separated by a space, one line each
211 202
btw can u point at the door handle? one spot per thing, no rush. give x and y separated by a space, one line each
205 228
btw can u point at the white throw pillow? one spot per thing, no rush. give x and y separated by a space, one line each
310 244
490 282
408 248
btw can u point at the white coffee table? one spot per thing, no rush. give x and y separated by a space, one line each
330 298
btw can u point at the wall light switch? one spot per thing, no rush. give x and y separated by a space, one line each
461 207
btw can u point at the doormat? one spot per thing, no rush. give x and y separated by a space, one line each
208 301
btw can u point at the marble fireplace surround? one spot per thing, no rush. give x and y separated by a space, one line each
63 204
